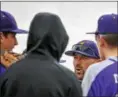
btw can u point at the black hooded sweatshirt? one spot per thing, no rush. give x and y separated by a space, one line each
39 74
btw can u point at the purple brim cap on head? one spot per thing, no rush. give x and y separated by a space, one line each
107 24
20 31
72 53
8 23
17 31
86 47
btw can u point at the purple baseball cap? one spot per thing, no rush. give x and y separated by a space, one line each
107 24
8 23
86 47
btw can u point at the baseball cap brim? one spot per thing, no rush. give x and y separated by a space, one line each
102 33
94 32
72 52
90 33
62 61
19 31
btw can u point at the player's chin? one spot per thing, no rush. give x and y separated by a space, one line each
80 77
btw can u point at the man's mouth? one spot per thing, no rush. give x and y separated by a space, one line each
79 70
79 73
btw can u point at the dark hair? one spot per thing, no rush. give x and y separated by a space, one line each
111 39
6 33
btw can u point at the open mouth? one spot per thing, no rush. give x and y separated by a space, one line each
79 71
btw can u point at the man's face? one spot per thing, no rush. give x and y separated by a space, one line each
8 42
81 63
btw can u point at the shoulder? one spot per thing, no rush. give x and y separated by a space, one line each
98 67
91 74
66 71
95 70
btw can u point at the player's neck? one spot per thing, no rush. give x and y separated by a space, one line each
111 52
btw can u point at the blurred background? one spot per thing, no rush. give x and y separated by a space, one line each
78 19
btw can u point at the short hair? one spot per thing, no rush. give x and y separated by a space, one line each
111 39
6 33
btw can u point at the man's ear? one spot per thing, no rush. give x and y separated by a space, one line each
102 42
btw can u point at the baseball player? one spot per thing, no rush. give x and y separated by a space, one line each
84 54
8 31
101 79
